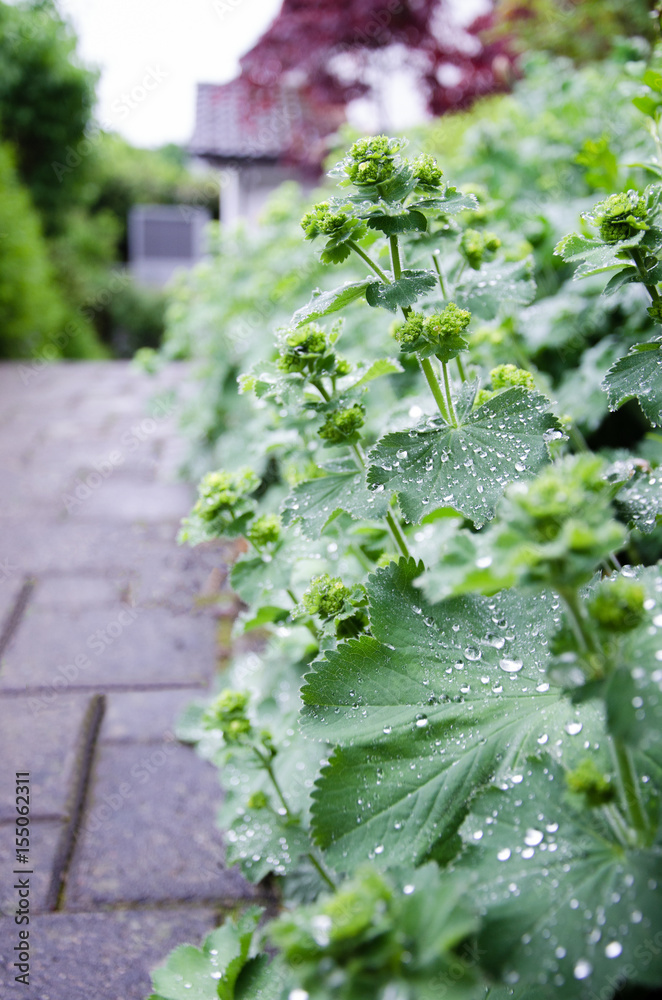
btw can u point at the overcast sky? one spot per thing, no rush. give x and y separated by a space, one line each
151 54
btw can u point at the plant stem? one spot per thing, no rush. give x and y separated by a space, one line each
393 525
378 271
274 781
629 787
266 764
308 624
397 535
435 388
577 620
440 276
322 391
449 395
460 368
395 257
638 258
327 878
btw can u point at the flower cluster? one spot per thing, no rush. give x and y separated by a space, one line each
325 596
307 351
620 216
341 426
227 714
265 530
439 334
373 160
476 246
505 377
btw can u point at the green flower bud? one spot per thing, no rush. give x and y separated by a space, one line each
426 170
371 160
301 348
325 596
322 221
620 216
475 245
264 530
227 713
619 605
507 376
439 334
258 800
223 491
588 780
343 424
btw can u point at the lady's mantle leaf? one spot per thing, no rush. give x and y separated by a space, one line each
315 502
210 972
565 901
638 374
425 712
484 291
466 467
324 303
403 292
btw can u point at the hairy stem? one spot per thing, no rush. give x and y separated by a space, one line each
318 865
393 526
395 257
460 368
449 395
638 258
266 764
577 620
442 284
435 388
375 267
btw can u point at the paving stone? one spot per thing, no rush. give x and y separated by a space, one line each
145 715
105 648
47 745
100 956
148 834
112 501
76 592
66 545
46 838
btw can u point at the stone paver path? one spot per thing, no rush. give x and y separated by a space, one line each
106 634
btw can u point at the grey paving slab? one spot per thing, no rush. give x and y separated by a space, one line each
148 834
112 502
99 956
45 743
145 715
108 647
77 591
46 838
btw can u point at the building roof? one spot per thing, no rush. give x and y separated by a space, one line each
236 122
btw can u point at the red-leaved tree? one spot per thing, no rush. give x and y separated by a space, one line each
325 46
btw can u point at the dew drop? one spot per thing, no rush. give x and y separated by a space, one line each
582 969
533 837
614 949
504 854
572 728
510 666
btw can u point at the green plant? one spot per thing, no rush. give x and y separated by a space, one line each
470 806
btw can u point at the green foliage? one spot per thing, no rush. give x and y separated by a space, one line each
458 699
46 102
31 309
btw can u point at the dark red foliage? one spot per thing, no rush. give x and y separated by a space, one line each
298 48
